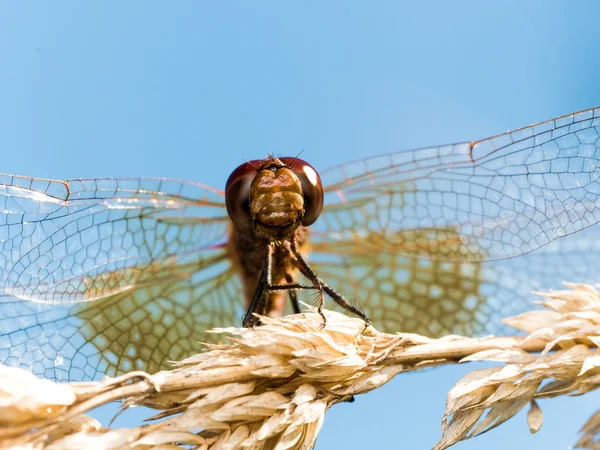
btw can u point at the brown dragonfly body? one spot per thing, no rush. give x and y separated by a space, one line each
249 255
271 203
102 276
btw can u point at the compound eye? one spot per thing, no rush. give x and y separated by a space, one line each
237 194
312 189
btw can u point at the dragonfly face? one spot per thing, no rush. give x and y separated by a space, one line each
272 198
103 276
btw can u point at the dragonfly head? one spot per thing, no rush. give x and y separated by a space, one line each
274 196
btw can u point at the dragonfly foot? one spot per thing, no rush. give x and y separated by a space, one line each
320 311
250 321
368 323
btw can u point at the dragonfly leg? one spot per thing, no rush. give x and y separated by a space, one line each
291 290
289 287
340 300
292 294
337 297
264 283
312 276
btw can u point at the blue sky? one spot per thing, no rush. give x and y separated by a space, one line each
186 89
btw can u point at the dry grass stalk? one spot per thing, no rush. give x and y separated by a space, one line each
568 365
270 388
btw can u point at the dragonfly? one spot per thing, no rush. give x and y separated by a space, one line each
104 276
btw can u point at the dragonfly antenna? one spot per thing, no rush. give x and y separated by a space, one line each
296 157
249 162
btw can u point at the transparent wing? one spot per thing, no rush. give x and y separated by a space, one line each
82 240
492 199
137 329
404 292
104 276
426 239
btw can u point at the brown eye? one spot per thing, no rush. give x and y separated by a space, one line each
237 194
312 189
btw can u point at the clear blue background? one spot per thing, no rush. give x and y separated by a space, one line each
186 89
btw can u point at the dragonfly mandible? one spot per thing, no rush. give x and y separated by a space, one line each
102 276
